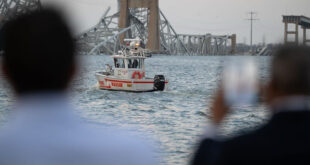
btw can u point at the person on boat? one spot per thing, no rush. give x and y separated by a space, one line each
122 63
130 65
109 68
285 138
39 61
117 65
135 63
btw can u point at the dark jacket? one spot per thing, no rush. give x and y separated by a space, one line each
285 139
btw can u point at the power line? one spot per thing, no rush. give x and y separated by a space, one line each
252 19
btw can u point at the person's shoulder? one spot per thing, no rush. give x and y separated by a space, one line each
113 135
129 145
124 142
250 137
239 148
228 150
100 145
241 137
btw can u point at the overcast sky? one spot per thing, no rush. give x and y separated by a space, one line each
202 16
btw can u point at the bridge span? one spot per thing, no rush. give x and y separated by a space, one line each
144 19
135 18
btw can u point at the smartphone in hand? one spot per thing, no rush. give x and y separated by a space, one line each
240 82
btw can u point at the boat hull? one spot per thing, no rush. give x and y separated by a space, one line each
108 82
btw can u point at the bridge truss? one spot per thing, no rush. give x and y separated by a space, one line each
103 38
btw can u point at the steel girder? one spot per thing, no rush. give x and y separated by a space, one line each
103 38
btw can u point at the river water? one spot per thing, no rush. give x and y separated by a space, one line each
173 119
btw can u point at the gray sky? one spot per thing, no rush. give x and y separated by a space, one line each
202 16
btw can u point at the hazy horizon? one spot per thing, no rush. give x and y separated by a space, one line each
217 17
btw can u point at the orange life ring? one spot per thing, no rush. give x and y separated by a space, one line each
136 73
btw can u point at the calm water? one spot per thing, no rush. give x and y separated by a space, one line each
174 118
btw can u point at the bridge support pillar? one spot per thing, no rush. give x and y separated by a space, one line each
287 33
189 42
296 33
302 21
233 43
208 44
305 39
123 18
153 41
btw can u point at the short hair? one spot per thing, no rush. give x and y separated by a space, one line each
39 51
291 70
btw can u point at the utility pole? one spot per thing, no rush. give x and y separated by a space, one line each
264 40
251 19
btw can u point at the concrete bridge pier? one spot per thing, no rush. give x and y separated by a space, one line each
201 40
189 42
233 43
302 21
305 39
153 41
287 32
208 44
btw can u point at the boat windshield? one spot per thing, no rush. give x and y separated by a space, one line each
135 63
119 63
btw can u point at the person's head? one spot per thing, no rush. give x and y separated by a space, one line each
1 39
39 52
290 73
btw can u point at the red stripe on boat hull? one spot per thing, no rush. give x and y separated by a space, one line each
134 82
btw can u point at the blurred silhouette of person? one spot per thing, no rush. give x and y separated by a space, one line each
285 138
39 62
1 40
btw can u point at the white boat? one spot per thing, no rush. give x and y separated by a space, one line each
129 72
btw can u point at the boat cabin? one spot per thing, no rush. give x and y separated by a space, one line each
129 67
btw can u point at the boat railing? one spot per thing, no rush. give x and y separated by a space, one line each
134 52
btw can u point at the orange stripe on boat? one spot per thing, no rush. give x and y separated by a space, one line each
135 82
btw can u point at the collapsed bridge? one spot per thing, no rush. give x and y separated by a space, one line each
144 19
135 18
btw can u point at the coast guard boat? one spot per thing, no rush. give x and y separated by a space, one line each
129 71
